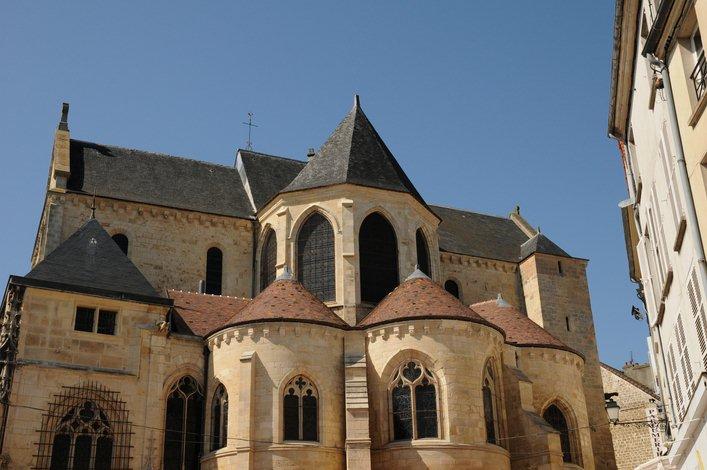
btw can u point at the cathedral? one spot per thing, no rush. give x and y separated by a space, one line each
312 313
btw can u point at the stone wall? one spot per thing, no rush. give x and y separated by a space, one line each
168 245
139 363
633 444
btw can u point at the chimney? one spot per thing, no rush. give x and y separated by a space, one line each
60 169
310 152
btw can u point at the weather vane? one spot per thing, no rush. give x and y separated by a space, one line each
249 143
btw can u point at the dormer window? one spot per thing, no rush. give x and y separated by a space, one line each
87 320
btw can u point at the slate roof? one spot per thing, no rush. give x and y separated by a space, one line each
154 178
474 234
89 261
268 174
197 314
519 329
355 154
541 244
418 298
286 300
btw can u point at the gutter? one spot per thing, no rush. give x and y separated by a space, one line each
658 28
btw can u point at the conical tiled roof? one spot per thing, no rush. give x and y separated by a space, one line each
519 329
286 300
420 298
355 154
90 261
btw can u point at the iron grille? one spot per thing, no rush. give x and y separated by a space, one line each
699 74
86 426
268 260
315 257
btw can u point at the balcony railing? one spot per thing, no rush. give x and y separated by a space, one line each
699 75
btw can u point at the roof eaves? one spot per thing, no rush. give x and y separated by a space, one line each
276 320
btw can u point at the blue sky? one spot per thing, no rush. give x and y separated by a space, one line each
485 105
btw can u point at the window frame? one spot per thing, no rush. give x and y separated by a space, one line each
97 311
208 286
329 291
269 236
489 377
308 383
397 377
575 446
220 397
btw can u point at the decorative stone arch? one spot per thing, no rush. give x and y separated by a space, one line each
494 364
280 393
209 397
294 239
572 425
392 220
379 210
304 215
170 382
382 396
178 373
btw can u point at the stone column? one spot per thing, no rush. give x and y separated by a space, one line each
358 440
245 411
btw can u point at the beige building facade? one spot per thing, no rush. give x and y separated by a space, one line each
656 115
291 314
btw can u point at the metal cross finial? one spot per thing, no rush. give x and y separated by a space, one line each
249 143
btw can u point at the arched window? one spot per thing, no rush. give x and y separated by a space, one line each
423 252
122 242
315 257
299 406
182 436
85 427
452 287
268 259
378 249
488 391
413 403
219 418
214 271
556 418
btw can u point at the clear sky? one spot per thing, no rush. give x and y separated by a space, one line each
485 105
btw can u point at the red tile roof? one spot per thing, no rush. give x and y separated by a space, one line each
520 330
286 300
420 298
201 313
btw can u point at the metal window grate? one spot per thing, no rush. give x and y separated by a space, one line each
268 260
699 76
84 319
315 257
86 426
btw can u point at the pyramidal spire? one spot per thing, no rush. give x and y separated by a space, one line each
354 154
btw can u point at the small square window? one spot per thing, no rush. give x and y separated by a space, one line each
84 319
106 322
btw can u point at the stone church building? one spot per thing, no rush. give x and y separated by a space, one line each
280 313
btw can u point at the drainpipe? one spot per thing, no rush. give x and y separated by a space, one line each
691 212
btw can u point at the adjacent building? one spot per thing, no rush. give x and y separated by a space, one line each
281 313
658 98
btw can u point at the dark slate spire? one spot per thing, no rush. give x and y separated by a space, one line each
355 154
91 262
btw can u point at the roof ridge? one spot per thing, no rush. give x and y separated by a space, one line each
628 379
269 155
155 154
442 206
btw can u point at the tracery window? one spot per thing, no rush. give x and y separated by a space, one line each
423 252
315 257
378 249
413 403
268 260
122 241
300 413
219 418
214 271
182 437
86 427
490 399
556 418
452 287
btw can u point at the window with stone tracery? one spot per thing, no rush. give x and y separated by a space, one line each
315 257
413 403
299 410
86 427
219 418
490 400
182 436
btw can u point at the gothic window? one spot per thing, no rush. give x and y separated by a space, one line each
423 253
214 271
378 249
556 418
86 427
219 418
452 287
268 260
488 392
315 257
300 415
413 403
182 437
122 242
